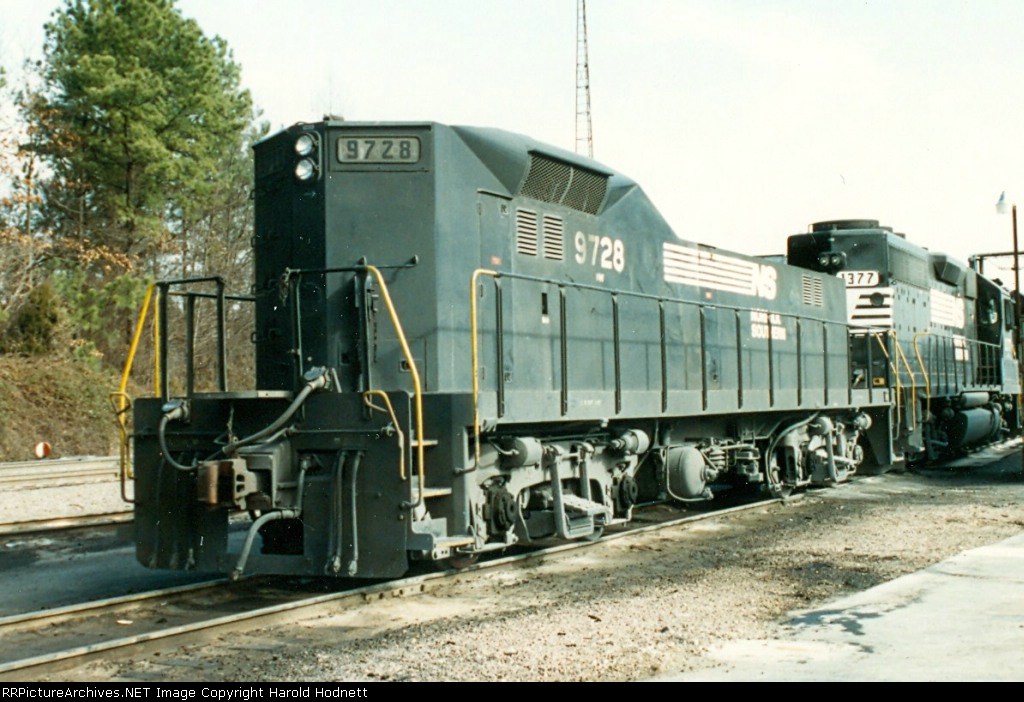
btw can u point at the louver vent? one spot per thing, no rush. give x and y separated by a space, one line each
812 292
526 232
559 183
554 246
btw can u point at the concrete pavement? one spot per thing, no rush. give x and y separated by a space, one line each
960 619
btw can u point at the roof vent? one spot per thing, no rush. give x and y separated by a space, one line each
562 183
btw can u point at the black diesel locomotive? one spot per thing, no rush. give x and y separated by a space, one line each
944 333
466 339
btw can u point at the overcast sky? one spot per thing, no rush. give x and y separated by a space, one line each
744 120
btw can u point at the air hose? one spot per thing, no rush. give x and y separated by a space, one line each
176 409
316 379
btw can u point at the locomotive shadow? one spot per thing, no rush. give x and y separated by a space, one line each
990 466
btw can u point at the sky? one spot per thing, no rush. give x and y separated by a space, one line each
743 120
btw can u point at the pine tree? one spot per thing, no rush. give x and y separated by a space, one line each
136 113
139 123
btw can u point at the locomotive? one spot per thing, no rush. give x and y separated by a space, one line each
949 360
466 339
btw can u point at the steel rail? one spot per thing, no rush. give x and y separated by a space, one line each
33 526
61 613
58 468
44 479
306 607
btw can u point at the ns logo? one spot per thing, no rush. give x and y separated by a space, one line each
765 282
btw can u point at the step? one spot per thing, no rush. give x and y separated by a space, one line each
430 492
580 505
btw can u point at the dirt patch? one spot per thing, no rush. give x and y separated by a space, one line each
61 401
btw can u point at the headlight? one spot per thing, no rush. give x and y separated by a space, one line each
305 169
304 145
836 260
823 260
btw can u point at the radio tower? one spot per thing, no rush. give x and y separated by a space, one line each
584 134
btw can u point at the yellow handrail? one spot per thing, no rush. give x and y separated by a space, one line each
417 387
913 381
475 352
120 399
394 420
156 348
122 404
135 339
895 373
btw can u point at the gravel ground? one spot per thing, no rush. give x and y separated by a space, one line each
65 497
632 608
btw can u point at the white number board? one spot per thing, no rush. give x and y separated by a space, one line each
859 279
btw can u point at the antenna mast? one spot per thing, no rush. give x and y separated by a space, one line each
584 133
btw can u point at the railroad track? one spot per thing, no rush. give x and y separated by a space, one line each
58 470
34 526
36 493
161 618
42 642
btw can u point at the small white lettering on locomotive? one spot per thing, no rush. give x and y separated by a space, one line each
690 265
961 352
764 325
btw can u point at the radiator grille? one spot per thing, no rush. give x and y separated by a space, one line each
560 183
586 191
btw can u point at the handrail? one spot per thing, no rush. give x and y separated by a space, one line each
895 372
656 298
135 341
475 353
394 420
156 347
288 279
924 371
417 387
122 404
162 374
120 399
913 381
